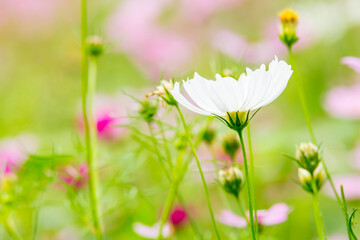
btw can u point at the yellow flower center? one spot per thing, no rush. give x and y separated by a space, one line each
288 16
237 114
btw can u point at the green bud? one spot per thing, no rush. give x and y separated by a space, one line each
305 179
181 141
148 110
308 156
231 180
231 145
209 135
95 46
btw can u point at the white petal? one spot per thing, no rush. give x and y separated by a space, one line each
183 101
152 232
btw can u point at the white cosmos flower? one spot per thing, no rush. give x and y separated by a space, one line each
227 95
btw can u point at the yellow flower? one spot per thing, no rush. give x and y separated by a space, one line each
288 20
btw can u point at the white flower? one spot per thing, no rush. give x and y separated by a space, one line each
152 232
227 95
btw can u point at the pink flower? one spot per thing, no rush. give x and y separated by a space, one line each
152 232
109 116
350 184
344 102
14 152
75 175
278 213
352 62
178 216
156 50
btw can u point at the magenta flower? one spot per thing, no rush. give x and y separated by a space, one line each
278 213
178 216
14 152
152 232
344 102
109 117
352 62
75 175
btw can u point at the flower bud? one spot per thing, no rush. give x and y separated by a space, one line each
148 110
231 180
230 145
209 135
95 46
319 175
308 156
305 179
288 20
181 141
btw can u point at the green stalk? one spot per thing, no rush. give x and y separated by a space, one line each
10 230
317 214
88 82
168 176
252 177
248 186
207 196
308 121
345 210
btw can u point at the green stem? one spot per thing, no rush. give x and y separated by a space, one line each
252 177
301 96
317 214
188 133
168 176
308 121
248 186
88 87
10 230
345 211
168 155
168 205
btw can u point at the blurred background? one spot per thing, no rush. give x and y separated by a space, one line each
149 40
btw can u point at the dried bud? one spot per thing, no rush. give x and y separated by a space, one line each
162 91
232 180
95 46
308 156
230 145
148 110
288 20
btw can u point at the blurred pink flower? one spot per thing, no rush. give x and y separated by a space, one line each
75 175
200 10
152 232
338 237
14 152
29 15
352 62
178 216
156 49
278 213
350 184
109 114
344 102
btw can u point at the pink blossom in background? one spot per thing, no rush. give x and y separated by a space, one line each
350 183
338 237
352 62
75 175
156 49
152 232
178 216
200 10
278 213
29 15
14 152
110 113
344 102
